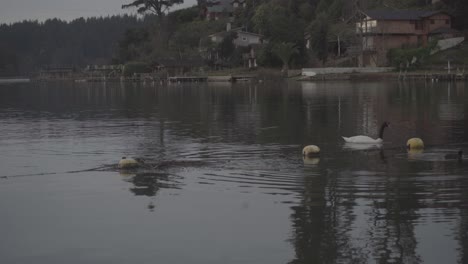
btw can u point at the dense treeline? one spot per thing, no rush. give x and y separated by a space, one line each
183 34
286 24
26 46
177 36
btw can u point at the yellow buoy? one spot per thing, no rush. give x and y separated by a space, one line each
414 154
310 160
310 151
126 173
415 143
415 151
127 163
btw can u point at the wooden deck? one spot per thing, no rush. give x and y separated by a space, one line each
224 78
181 79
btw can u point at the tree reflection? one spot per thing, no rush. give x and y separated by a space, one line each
321 222
463 233
334 223
367 208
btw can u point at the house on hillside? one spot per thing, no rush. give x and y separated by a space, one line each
218 9
249 40
243 38
59 72
382 30
239 3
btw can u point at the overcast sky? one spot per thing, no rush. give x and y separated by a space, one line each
18 10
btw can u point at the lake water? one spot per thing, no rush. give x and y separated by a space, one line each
225 180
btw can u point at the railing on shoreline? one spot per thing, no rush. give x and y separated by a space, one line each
387 76
434 76
156 79
14 80
377 73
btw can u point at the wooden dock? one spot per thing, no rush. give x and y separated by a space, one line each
243 77
174 79
433 77
181 79
223 78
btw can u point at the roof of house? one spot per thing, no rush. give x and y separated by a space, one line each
400 14
220 6
249 33
236 30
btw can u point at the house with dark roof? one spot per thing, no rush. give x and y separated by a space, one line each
58 72
239 3
219 8
242 38
216 9
382 30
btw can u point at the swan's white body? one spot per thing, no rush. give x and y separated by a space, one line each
360 146
362 140
367 140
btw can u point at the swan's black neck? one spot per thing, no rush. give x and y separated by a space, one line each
382 130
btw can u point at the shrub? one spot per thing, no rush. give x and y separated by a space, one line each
131 68
410 58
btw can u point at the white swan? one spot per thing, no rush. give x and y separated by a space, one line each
359 146
368 140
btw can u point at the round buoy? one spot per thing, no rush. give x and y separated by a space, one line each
415 143
413 153
310 151
126 173
127 163
310 160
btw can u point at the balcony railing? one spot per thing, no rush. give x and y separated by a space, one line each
380 30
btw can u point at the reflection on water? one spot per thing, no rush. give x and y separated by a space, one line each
228 158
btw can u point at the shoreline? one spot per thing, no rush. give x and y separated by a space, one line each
260 74
384 76
14 80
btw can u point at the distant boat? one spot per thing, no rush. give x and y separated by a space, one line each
14 80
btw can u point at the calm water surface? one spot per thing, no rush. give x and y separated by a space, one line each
225 181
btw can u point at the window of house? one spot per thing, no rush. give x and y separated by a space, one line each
432 21
244 38
412 22
447 21
366 26
418 25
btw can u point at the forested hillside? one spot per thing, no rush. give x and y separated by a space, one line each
28 45
183 34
